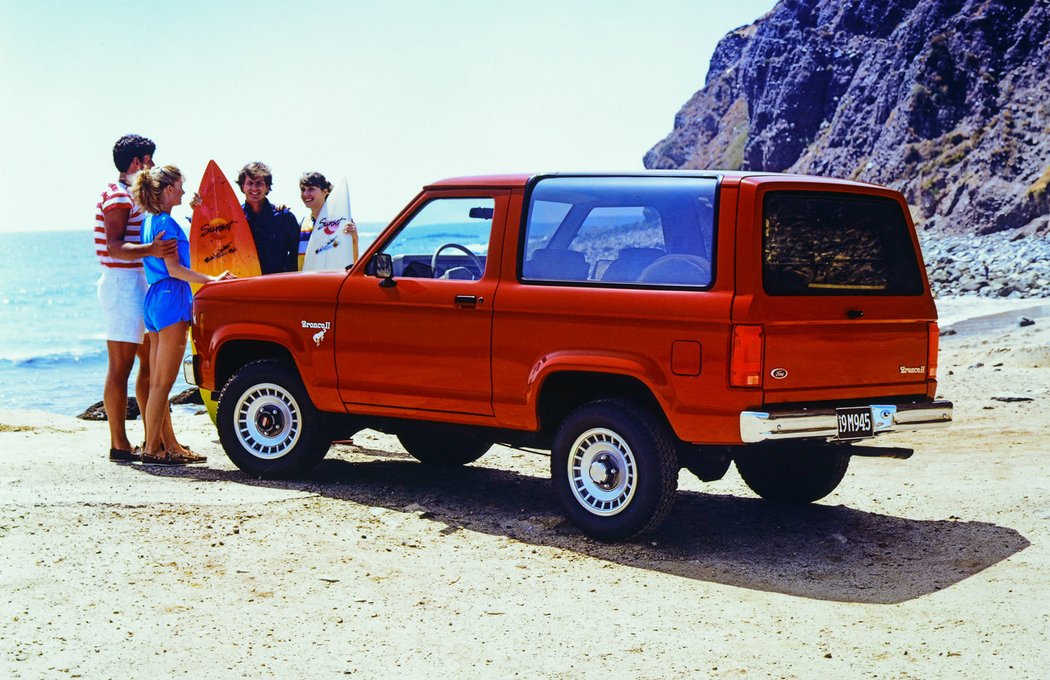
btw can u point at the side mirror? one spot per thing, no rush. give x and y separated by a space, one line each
382 266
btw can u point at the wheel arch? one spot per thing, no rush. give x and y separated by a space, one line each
234 355
564 391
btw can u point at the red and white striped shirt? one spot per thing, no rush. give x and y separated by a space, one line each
117 196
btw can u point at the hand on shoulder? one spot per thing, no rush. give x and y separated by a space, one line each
162 247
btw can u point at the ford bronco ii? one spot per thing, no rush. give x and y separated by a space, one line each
632 324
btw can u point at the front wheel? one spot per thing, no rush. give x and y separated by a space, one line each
614 469
267 423
794 473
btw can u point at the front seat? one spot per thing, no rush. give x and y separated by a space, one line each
555 264
629 264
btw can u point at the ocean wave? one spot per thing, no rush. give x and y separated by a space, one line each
48 358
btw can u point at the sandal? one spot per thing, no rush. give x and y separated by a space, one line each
143 447
188 458
172 458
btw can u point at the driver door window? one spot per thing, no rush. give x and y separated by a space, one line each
448 238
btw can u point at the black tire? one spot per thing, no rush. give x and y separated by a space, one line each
443 446
794 473
634 452
708 463
267 423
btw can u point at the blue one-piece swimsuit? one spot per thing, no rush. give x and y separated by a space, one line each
168 300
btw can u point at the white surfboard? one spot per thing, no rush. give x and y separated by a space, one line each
329 247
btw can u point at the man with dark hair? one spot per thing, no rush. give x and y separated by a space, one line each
122 289
275 229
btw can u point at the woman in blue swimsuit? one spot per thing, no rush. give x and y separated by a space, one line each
168 309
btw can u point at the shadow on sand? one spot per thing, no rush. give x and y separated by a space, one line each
822 552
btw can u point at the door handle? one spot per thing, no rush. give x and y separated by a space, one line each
468 300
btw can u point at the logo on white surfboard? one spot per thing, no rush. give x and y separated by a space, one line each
329 225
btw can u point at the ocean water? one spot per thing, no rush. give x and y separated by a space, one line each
52 345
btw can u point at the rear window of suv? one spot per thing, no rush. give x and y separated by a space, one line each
826 243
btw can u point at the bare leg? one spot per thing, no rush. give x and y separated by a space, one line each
168 436
142 380
166 350
154 442
115 392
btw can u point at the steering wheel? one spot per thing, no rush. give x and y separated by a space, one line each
474 258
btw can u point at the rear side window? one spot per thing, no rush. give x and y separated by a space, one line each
824 243
620 231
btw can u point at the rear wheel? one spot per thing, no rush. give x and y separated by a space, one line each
614 469
443 446
267 423
792 473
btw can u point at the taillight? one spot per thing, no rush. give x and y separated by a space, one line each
932 346
745 363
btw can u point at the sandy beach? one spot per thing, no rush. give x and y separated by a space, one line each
377 566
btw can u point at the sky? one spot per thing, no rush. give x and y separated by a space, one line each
390 94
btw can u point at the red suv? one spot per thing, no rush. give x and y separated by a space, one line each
633 324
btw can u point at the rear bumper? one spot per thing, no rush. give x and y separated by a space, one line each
775 425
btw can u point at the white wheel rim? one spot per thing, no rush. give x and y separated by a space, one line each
603 473
268 421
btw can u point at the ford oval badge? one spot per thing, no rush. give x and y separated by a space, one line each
779 373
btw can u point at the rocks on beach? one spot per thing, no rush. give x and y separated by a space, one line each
98 412
1001 265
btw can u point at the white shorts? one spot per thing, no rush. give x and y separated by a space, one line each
121 292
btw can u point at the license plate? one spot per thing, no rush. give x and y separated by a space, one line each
855 422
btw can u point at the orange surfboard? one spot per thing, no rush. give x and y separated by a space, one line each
220 238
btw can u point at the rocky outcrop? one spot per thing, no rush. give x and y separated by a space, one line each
945 100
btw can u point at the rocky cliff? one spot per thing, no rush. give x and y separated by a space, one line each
946 100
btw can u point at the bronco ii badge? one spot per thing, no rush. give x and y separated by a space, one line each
321 327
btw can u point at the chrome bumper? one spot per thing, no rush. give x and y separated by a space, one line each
757 426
